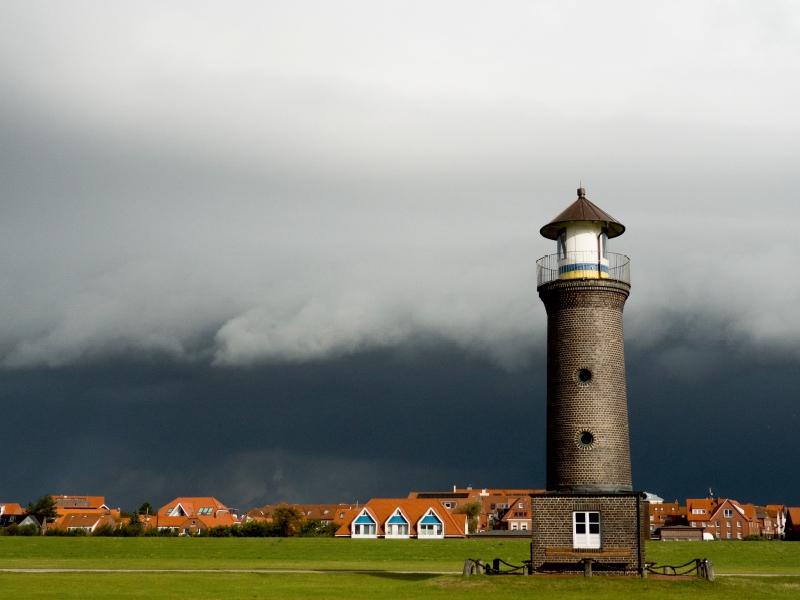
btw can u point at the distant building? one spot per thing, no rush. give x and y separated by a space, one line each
402 518
325 513
500 508
10 508
793 523
64 503
724 519
88 519
189 515
778 514
667 514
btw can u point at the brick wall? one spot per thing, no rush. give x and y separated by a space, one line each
584 331
552 529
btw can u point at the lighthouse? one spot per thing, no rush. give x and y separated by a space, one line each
589 511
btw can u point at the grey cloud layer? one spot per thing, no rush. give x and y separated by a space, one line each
272 183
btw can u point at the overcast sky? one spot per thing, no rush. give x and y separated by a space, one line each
286 251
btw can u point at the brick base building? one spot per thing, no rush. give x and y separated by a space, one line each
609 529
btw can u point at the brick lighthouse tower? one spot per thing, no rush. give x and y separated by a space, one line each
589 513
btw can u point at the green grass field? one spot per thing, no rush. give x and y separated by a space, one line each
371 555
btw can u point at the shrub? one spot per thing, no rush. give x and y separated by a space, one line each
288 520
104 531
754 538
67 532
472 510
315 528
15 529
130 531
218 531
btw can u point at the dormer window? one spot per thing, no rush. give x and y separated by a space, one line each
397 525
430 526
364 526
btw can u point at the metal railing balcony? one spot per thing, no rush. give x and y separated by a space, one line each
583 265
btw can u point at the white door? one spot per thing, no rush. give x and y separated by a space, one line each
586 529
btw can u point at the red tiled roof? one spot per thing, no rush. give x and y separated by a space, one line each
709 504
774 509
65 502
191 505
413 509
11 508
794 517
87 518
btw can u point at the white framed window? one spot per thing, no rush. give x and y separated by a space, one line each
586 529
740 535
739 524
729 535
524 527
704 523
698 511
430 526
521 505
694 523
397 525
429 529
718 535
727 513
364 525
513 527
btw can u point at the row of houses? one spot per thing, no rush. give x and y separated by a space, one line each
88 513
721 519
425 515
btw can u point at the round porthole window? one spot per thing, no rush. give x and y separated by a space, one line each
586 439
584 375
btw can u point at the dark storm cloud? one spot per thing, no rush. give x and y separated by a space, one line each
239 244
382 423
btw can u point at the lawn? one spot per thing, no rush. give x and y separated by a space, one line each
334 554
376 586
367 555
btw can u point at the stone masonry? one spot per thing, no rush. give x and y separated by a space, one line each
584 333
622 552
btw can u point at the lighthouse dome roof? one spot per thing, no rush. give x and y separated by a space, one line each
582 210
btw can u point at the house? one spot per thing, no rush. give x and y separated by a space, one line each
88 519
792 523
498 508
10 508
699 511
517 516
766 523
325 513
724 519
777 513
459 497
65 503
667 514
188 515
22 519
402 518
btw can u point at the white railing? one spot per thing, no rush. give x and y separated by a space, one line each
583 265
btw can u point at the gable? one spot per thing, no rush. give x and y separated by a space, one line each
431 519
364 518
